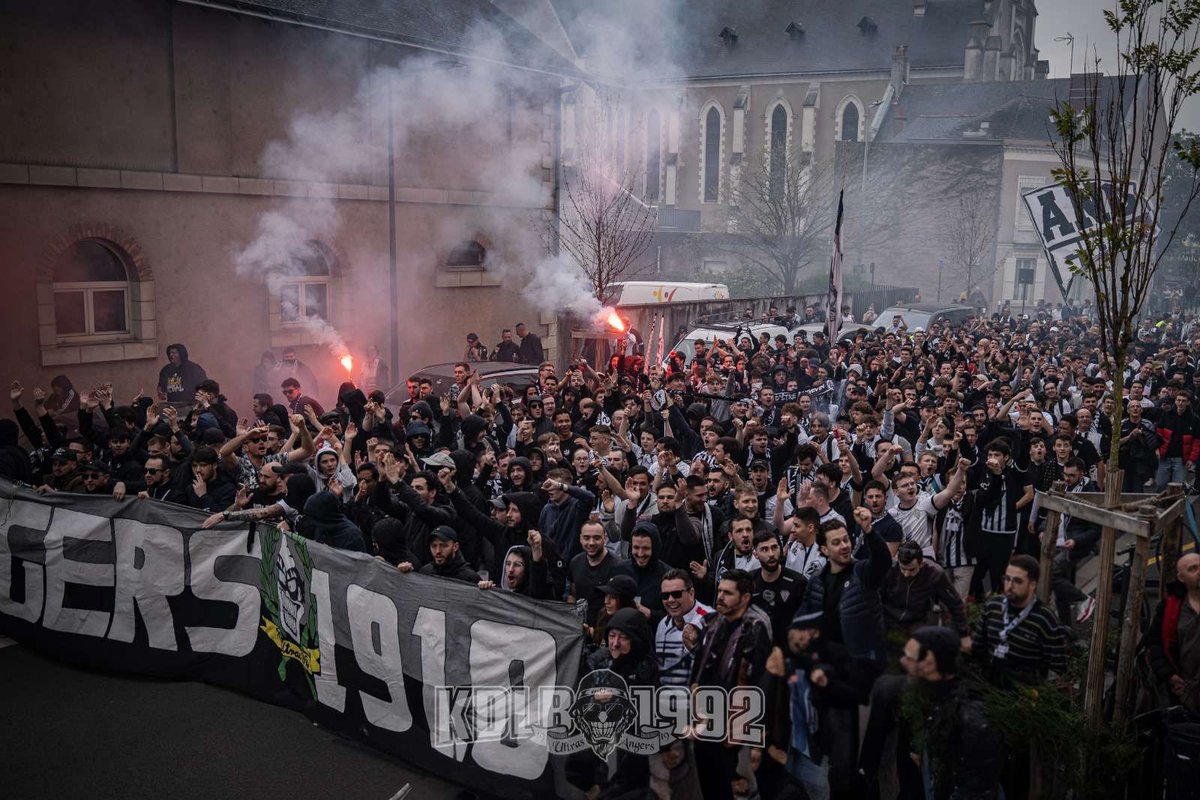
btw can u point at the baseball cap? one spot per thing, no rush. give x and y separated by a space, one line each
620 585
439 460
63 454
498 503
759 463
97 467
444 533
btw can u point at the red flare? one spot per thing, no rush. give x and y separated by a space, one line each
348 362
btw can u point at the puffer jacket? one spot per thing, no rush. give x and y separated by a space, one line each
1171 424
908 601
860 606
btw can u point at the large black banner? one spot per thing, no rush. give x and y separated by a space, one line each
136 586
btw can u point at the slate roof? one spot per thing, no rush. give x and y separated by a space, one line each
448 25
832 40
943 112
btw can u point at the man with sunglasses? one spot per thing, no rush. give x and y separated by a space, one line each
158 485
673 642
297 400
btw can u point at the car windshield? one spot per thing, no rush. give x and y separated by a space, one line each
913 318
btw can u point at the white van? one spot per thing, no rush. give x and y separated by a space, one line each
646 293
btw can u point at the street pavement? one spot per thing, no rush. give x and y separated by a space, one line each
71 733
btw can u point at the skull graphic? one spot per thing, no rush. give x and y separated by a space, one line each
293 594
602 710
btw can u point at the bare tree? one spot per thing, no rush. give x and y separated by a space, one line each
968 237
604 226
783 211
1114 142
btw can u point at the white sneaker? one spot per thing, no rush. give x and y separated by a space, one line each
1086 609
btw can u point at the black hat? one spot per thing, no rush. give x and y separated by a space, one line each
63 454
444 533
472 337
98 467
759 463
810 620
622 586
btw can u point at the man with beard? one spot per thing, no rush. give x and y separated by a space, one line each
1017 637
447 561
733 653
674 643
524 570
645 567
679 541
777 589
591 569
738 553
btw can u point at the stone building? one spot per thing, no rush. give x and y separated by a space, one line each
133 172
739 85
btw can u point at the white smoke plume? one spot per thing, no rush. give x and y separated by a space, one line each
466 101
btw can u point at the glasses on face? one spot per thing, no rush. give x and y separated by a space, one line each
675 595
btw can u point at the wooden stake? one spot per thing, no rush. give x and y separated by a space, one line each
1094 697
1134 593
1049 545
1172 546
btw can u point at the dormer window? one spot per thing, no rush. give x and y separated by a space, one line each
794 30
729 35
468 255
867 25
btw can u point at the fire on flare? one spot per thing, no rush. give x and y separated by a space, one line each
616 322
347 362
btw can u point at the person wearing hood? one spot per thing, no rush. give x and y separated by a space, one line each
179 379
645 567
447 561
520 475
679 540
629 654
524 570
332 465
499 538
324 522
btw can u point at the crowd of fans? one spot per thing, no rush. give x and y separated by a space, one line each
839 523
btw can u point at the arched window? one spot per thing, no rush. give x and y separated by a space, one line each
653 155
712 155
849 126
304 293
777 165
91 291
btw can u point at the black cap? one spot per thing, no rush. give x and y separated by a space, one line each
444 533
98 467
759 463
621 586
63 454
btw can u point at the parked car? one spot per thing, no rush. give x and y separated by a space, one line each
724 330
516 376
922 315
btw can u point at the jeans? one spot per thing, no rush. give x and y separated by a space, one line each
1063 580
1170 470
994 551
813 777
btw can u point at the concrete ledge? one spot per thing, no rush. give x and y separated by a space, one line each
14 173
255 186
52 176
448 280
88 177
98 178
142 180
213 183
182 183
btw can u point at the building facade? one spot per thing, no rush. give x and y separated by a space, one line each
136 169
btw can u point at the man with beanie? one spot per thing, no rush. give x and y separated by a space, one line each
962 753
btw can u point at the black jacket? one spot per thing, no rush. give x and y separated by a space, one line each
456 568
324 521
860 607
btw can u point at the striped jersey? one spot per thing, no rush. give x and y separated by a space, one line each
674 661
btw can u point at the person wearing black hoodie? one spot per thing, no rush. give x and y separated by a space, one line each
14 461
420 500
645 567
323 521
496 539
629 654
179 378
447 561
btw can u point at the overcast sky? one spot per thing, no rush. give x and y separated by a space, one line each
1083 19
